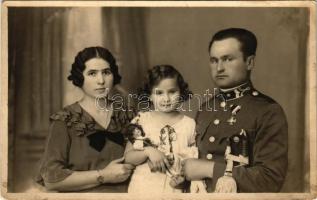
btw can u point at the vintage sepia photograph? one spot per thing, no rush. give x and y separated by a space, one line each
158 100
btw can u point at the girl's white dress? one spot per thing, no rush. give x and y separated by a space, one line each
143 180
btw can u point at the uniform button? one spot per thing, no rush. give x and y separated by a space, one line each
223 104
216 121
255 93
212 139
228 95
209 156
236 139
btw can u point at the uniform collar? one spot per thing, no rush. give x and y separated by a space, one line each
236 92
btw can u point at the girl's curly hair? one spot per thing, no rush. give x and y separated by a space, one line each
160 72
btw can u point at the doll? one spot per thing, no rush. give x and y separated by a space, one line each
137 137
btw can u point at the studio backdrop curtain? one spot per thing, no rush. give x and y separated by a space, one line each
35 49
42 45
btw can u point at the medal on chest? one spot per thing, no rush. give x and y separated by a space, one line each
234 110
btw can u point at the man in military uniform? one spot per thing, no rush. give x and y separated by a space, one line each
244 127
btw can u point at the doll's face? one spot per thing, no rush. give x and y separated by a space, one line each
137 133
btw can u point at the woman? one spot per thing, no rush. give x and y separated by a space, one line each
85 145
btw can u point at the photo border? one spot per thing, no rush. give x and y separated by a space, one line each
310 97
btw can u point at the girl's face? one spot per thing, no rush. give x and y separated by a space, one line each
98 78
165 96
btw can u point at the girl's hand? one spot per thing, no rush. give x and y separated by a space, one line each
177 181
157 160
116 171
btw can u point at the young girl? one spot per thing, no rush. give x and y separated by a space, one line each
171 133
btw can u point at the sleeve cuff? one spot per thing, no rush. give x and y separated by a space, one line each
54 176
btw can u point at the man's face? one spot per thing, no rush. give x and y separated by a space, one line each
228 66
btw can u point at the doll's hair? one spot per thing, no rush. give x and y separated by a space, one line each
76 73
159 73
130 129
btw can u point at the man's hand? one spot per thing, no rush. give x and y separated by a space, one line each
197 169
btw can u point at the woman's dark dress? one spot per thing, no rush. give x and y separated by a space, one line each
77 143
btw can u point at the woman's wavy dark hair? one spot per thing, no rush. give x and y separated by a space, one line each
160 72
76 73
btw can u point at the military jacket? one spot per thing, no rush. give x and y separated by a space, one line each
224 117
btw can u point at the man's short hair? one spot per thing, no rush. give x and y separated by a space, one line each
246 38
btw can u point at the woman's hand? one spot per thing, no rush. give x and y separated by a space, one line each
116 171
197 169
157 160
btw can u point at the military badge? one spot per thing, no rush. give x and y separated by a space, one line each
234 110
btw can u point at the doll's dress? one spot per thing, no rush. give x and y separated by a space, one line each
139 143
143 180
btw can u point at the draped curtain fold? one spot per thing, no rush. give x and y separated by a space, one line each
126 38
35 40
34 61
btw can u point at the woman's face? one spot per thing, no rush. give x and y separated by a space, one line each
98 78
